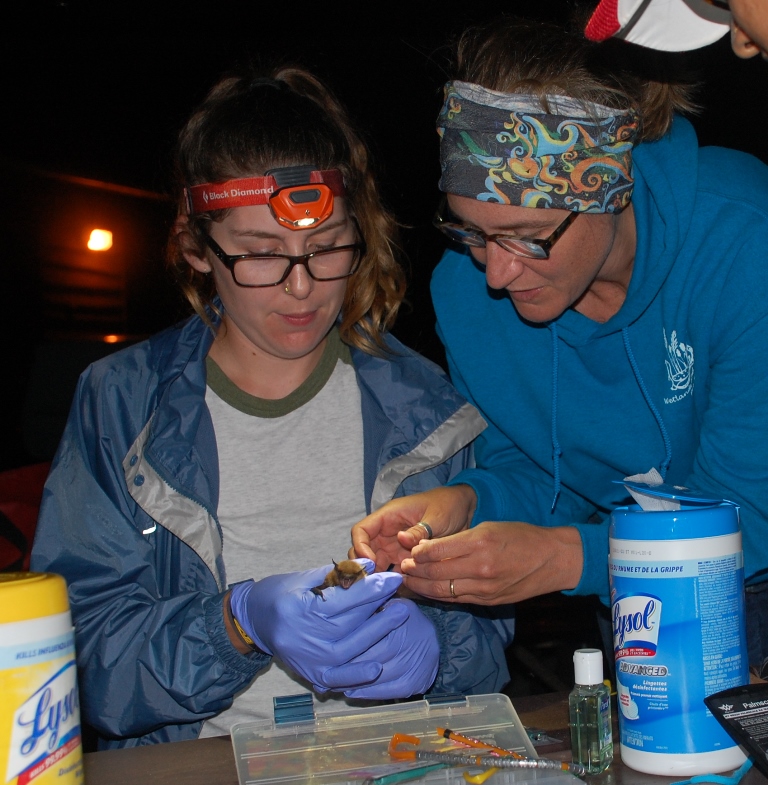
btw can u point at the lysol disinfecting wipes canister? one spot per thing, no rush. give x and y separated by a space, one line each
677 604
40 712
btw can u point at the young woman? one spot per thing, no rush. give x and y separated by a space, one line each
205 473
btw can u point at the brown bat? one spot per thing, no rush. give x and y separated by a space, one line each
343 574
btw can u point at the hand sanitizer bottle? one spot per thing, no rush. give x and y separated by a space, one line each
589 705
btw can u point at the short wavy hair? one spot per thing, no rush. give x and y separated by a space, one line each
514 55
249 124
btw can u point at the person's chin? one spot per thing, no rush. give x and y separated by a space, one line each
533 306
298 340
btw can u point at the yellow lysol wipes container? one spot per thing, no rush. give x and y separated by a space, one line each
40 739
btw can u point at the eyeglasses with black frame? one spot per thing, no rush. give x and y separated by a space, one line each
257 271
529 247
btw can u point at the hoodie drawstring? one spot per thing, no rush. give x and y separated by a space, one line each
657 415
557 451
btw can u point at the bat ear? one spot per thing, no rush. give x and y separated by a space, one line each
334 564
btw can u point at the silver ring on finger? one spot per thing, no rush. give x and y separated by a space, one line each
427 528
450 586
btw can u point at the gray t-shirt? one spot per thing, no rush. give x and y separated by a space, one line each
291 477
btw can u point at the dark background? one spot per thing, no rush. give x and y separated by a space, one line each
98 90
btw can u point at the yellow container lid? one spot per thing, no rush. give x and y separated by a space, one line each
30 595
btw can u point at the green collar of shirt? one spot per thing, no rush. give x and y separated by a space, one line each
335 349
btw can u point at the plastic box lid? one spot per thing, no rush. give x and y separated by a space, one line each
345 746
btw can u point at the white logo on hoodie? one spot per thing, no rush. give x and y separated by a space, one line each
679 367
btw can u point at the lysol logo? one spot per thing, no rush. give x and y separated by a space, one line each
636 626
46 724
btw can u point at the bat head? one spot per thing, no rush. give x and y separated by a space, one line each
348 572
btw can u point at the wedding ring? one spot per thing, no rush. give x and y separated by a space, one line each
427 528
453 593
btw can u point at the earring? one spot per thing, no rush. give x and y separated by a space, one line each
287 288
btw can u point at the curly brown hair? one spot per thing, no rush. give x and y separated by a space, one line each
514 55
249 124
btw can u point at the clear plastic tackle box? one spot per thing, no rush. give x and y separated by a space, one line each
345 746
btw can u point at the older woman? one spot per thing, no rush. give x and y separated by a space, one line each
604 305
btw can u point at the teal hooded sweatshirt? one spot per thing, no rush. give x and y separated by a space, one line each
676 380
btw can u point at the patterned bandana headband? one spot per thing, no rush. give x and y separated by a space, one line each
503 147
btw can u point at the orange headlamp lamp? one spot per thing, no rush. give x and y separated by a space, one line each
300 197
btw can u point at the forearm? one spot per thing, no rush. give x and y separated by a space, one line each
151 639
594 573
138 676
472 648
235 633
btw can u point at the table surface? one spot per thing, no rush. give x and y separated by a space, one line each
211 761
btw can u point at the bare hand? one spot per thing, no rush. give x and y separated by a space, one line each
388 535
497 562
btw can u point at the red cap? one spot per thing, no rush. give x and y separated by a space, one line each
668 25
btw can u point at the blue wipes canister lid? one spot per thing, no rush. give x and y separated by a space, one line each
671 492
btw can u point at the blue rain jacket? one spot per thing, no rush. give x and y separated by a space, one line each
128 517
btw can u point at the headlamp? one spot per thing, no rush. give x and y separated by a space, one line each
300 197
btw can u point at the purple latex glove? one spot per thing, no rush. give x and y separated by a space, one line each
317 636
410 655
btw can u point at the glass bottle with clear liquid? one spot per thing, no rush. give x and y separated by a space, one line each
589 704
